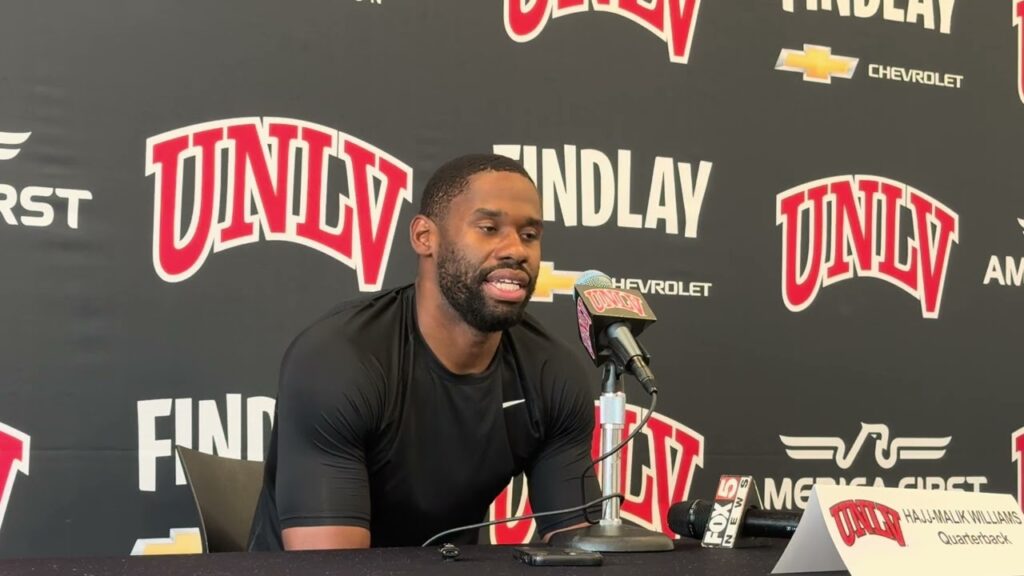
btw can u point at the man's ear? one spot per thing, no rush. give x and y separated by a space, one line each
423 235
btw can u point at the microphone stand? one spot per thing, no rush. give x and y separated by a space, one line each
611 534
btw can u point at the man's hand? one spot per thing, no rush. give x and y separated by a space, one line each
325 537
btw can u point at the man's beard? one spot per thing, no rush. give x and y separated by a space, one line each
462 286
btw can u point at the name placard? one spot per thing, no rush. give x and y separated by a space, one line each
890 531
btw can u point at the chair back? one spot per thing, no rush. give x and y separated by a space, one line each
225 491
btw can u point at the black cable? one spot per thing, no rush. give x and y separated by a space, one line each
518 518
619 446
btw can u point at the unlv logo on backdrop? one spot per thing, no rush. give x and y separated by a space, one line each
14 450
664 474
259 158
852 227
1018 21
1018 457
858 518
671 20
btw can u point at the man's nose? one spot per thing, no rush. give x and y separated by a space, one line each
512 247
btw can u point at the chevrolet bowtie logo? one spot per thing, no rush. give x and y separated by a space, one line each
181 541
551 282
816 63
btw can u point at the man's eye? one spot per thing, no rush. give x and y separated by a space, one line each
487 228
529 236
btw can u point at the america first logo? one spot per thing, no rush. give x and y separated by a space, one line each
672 21
653 478
269 179
14 453
840 227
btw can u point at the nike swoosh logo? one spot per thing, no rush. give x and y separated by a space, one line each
513 402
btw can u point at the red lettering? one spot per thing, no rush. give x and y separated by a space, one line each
1018 456
728 486
177 256
604 298
14 456
682 17
518 532
262 171
252 174
674 452
525 23
799 293
859 207
933 249
375 213
1018 21
335 241
853 218
653 15
892 523
841 514
671 20
889 266
856 518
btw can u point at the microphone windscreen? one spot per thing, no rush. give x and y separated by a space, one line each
594 279
689 518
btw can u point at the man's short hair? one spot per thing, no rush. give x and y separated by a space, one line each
451 179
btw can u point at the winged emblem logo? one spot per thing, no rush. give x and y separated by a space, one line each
888 450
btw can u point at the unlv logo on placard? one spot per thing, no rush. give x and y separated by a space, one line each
671 20
262 169
674 451
14 452
853 229
858 518
1018 457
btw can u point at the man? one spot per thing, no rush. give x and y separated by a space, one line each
406 414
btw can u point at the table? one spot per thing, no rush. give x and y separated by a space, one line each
688 558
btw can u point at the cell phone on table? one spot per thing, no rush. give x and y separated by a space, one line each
548 556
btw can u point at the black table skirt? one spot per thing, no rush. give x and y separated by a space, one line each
688 558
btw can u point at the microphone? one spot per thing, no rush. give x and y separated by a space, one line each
609 318
691 518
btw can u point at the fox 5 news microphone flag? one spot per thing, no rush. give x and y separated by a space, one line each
822 200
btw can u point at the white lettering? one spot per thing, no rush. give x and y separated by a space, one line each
150 448
215 436
587 190
920 12
693 194
43 210
661 204
598 197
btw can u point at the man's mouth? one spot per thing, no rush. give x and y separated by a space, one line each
507 285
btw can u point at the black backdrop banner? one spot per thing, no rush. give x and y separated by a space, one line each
820 199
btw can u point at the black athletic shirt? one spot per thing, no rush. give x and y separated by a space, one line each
372 430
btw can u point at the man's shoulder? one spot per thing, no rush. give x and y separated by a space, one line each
536 343
359 326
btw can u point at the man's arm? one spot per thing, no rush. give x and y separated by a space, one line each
554 477
325 537
328 407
